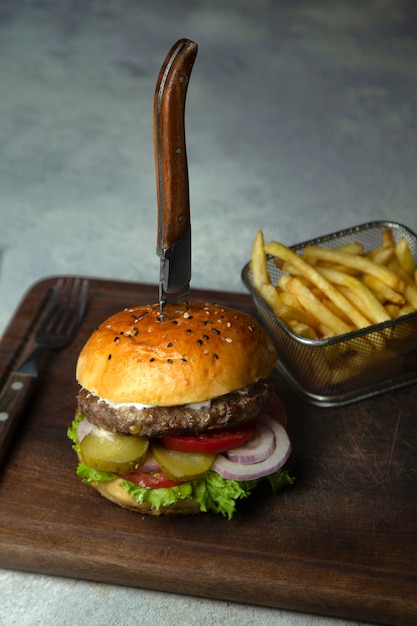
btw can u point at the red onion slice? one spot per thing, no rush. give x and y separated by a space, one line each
259 447
84 427
150 465
240 471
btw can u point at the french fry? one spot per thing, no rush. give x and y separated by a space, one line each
271 297
406 309
304 330
354 247
404 256
388 238
359 294
382 256
386 293
359 262
258 261
411 294
393 310
279 250
323 292
317 308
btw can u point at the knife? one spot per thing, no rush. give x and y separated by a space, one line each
174 226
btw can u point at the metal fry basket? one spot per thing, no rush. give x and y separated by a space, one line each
359 364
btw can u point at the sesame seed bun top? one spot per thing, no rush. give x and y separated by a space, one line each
195 353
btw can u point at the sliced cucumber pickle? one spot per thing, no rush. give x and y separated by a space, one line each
182 465
113 452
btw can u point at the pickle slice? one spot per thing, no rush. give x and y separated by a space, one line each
182 466
113 452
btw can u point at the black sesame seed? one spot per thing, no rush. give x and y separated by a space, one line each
205 337
189 331
169 360
109 357
184 359
169 345
200 342
136 330
116 339
214 330
215 356
174 322
151 359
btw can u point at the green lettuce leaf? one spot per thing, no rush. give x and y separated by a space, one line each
72 431
212 491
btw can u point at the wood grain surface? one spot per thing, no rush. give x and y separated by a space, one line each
341 542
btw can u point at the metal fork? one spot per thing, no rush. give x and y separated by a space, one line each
60 323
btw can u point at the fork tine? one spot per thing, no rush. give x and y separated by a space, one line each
68 305
52 304
76 306
66 308
83 301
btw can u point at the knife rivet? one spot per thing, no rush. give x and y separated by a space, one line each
180 218
16 386
183 79
178 150
3 417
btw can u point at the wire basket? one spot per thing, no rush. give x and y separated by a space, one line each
346 368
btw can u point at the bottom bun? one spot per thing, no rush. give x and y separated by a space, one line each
115 493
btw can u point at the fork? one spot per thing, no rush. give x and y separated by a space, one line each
60 323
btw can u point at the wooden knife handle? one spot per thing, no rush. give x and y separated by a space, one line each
12 402
169 143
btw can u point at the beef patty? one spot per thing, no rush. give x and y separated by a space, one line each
229 410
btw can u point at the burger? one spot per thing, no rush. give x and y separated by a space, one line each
177 413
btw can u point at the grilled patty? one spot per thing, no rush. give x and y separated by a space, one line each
229 410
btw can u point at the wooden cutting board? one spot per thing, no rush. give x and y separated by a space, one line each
341 542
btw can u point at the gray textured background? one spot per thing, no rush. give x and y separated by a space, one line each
301 119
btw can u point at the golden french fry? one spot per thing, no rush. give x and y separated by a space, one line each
325 332
330 305
354 247
359 294
258 261
304 330
386 293
279 250
317 308
410 293
271 296
404 256
393 310
410 288
388 238
359 262
338 268
323 292
406 309
382 256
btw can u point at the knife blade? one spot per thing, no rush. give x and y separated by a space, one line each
174 224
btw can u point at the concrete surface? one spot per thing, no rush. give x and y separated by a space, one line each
301 120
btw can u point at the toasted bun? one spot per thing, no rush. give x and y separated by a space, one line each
195 353
112 490
115 493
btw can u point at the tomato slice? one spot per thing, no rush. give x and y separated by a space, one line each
277 410
156 480
211 442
